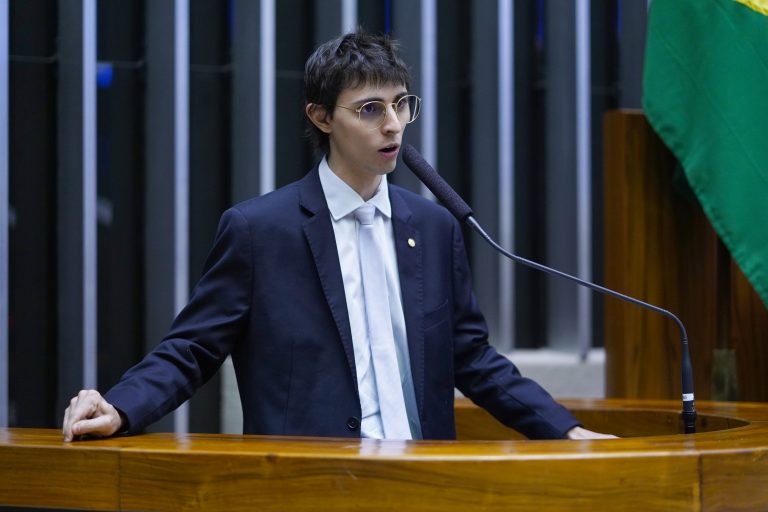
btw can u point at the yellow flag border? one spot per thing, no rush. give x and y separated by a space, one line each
760 6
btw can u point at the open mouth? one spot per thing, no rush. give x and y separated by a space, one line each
389 150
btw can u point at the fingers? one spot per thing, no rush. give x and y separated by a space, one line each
82 406
582 433
101 426
89 413
64 425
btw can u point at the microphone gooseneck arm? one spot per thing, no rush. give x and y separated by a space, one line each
689 407
461 210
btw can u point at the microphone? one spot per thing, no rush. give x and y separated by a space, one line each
461 210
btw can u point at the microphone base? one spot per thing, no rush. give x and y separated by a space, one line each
689 422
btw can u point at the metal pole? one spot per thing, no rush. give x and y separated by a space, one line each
429 85
181 175
506 148
584 173
348 15
267 97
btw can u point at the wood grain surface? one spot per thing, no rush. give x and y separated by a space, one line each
660 247
723 467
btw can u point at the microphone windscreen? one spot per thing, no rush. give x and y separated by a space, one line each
435 183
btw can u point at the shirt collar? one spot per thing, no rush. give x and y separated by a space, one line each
343 200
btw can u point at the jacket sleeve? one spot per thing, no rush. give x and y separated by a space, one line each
489 379
201 337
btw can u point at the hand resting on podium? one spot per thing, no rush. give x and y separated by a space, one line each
88 413
580 433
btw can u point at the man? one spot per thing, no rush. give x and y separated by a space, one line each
344 301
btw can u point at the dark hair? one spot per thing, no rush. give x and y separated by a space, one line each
352 60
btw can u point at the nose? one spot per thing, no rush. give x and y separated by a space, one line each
391 122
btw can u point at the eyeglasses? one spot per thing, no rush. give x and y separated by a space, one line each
373 113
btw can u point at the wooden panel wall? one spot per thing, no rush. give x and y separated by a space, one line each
660 247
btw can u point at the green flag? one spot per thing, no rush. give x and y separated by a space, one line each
706 95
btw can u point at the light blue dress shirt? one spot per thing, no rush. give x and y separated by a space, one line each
342 202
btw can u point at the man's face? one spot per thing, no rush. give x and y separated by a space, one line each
357 151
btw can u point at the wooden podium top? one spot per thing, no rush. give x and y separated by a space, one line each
722 467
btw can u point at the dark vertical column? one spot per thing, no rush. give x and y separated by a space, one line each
77 198
406 28
561 213
209 163
374 15
246 140
484 141
121 173
166 192
606 44
293 44
528 129
33 318
327 20
245 148
631 46
4 252
454 100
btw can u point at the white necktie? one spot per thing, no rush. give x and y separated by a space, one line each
388 385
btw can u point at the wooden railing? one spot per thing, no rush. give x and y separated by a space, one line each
723 467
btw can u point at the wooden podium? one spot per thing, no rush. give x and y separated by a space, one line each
723 467
660 247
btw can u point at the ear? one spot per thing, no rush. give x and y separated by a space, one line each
319 117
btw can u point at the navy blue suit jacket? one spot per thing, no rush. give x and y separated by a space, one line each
272 296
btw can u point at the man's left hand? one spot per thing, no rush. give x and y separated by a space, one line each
582 433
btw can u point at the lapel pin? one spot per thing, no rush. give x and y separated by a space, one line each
411 242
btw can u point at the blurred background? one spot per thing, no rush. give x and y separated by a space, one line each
128 126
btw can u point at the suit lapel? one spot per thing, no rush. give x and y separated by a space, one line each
409 264
319 232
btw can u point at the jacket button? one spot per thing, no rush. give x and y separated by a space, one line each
353 423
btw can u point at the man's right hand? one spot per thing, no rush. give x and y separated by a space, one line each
89 413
